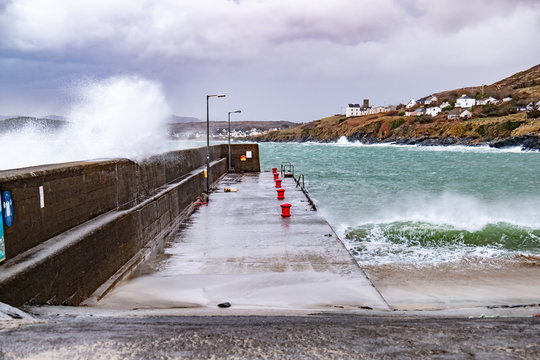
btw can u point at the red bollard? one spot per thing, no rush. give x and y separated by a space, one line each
276 176
285 210
278 183
274 170
280 194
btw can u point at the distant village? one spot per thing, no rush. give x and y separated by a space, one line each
461 108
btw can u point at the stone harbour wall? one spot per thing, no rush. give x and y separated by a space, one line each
76 224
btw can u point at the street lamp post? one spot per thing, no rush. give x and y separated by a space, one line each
208 141
229 115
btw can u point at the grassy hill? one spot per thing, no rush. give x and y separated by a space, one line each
523 87
496 125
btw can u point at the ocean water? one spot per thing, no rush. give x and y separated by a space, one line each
421 205
390 204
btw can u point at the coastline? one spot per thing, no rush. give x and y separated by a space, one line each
525 142
506 131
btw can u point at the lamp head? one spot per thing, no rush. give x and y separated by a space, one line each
221 95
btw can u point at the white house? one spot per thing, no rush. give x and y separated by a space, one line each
459 114
417 112
411 104
357 110
465 102
489 100
445 105
538 105
431 99
508 98
353 110
433 111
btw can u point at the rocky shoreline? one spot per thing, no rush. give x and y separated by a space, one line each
509 131
526 142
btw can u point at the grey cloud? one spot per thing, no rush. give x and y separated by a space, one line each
343 48
190 29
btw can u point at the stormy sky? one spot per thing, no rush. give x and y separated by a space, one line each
296 60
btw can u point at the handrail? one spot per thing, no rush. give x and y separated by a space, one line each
287 170
301 176
304 190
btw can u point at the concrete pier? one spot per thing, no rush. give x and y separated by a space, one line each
76 225
239 249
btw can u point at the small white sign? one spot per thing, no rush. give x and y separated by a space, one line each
248 154
41 197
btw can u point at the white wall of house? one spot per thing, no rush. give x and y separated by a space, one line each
433 111
445 105
352 111
417 112
411 104
430 100
465 114
489 100
465 102
361 111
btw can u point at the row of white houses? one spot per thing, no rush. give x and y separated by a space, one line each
365 109
461 107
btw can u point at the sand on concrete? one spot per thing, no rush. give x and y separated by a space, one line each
472 282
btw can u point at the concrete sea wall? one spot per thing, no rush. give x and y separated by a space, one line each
76 224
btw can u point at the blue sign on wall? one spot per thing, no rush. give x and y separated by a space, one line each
7 208
2 244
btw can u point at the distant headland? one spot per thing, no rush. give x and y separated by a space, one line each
506 113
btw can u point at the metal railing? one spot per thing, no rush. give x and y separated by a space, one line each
287 170
301 176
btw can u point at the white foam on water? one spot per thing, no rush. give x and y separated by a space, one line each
123 116
459 211
418 217
377 249
343 141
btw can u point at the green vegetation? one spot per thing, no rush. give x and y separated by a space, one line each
397 123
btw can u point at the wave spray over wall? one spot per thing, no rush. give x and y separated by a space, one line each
122 116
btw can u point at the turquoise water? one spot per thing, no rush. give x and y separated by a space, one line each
408 204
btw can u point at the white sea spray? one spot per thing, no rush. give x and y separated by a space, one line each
123 116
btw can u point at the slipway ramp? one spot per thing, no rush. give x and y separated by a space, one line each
238 249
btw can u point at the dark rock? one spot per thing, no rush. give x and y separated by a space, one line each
224 305
527 142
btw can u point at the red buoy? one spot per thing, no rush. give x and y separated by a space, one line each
278 183
285 210
280 194
276 176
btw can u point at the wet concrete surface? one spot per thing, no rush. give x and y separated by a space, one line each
296 293
322 336
239 249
